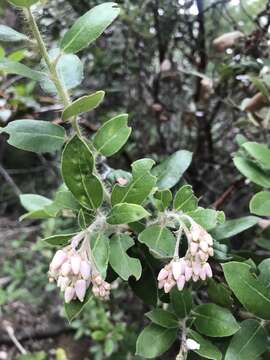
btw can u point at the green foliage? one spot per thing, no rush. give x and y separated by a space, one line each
163 318
110 138
23 3
15 67
89 27
260 203
125 213
100 251
83 104
207 350
8 34
233 227
181 302
185 200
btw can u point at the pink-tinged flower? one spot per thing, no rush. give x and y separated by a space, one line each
208 238
188 273
195 231
204 245
202 255
196 266
208 270
195 278
168 286
177 269
163 274
80 289
211 251
85 270
181 282
58 259
194 248
66 268
69 294
202 274
161 284
75 264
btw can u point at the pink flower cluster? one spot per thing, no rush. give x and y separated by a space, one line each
193 265
74 273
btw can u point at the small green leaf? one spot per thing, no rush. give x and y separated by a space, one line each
250 291
112 136
35 135
170 171
23 3
59 240
33 202
128 266
185 200
259 152
181 302
74 308
154 340
163 318
8 34
139 188
69 69
264 276
89 27
99 244
207 218
251 171
215 321
207 350
126 213
248 343
77 167
159 240
163 199
260 85
219 293
233 227
260 204
83 104
14 67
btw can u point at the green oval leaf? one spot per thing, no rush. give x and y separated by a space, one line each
58 240
89 27
35 135
69 69
8 34
215 321
185 200
160 240
259 152
15 67
260 204
112 135
163 199
163 318
139 187
128 266
170 171
233 227
74 308
251 171
248 343
251 292
77 168
100 251
207 218
126 213
83 104
181 302
23 3
33 202
154 340
207 350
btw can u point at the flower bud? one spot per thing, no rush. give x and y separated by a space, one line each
208 238
202 274
66 268
162 275
85 270
95 290
80 289
161 284
69 293
181 282
193 248
208 270
196 266
192 344
58 259
168 286
176 269
204 245
64 283
202 255
211 251
188 273
75 264
98 280
195 232
195 278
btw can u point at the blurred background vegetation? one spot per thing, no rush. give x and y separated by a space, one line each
158 63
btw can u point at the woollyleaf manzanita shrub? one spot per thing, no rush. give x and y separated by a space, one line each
142 225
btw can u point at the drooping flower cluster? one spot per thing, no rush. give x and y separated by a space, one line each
193 265
74 272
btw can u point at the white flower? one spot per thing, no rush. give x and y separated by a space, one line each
192 344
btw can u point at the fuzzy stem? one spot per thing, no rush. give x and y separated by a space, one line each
61 90
183 352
